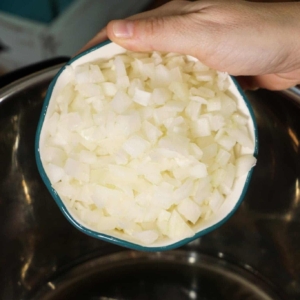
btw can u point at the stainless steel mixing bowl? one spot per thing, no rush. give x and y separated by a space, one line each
255 255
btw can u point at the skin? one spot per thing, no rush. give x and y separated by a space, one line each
257 42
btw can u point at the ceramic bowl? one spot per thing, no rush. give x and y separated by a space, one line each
107 50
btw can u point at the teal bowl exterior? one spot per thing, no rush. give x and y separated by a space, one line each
109 238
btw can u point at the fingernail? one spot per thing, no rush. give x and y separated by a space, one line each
123 29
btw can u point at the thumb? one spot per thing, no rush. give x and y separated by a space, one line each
164 33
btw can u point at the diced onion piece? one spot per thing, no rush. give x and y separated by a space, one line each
87 157
215 200
214 104
228 105
205 92
51 124
218 177
141 97
199 170
216 122
209 152
135 146
222 157
105 197
79 171
55 173
189 210
196 151
161 95
178 228
55 155
120 67
201 127
239 119
109 89
123 82
121 102
180 90
107 223
240 136
89 89
226 183
123 173
192 110
147 237
96 74
151 132
163 221
227 142
244 164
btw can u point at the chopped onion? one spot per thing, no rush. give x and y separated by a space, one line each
145 145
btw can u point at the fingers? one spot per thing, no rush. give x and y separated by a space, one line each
241 38
166 33
272 82
169 9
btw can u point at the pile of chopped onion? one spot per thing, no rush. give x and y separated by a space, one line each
147 145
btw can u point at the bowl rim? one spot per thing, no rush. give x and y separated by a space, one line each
109 238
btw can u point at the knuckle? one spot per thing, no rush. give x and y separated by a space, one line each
154 26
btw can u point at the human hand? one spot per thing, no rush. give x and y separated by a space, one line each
258 42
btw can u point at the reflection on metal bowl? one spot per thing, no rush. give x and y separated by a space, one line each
39 244
172 275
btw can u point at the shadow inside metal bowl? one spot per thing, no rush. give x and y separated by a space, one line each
176 275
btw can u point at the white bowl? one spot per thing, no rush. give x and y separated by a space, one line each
107 50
